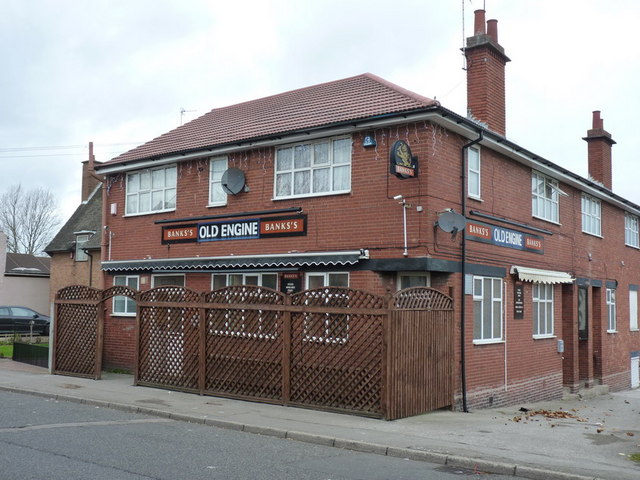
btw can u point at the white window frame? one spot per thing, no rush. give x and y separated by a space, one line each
543 305
480 297
631 237
235 321
155 277
546 204
217 195
168 192
285 168
81 241
240 278
633 310
474 178
129 303
591 215
611 310
328 327
407 275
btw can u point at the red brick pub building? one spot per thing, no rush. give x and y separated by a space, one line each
361 183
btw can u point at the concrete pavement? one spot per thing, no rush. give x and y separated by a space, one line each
565 439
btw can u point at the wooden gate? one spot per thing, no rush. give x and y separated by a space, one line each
78 331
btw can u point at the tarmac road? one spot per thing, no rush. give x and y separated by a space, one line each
594 438
44 438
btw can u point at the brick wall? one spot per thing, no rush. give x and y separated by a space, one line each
368 217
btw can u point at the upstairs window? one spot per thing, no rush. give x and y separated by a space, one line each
631 230
473 172
544 196
314 168
217 196
151 190
591 222
81 241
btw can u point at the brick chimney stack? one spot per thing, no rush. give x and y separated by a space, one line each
89 178
599 144
486 75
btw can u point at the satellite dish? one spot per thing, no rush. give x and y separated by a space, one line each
451 222
233 181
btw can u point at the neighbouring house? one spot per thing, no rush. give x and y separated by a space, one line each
360 183
75 250
25 279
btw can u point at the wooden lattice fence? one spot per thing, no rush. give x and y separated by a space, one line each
77 333
330 348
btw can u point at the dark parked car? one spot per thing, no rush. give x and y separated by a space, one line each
18 320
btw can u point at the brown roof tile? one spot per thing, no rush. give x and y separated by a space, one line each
358 97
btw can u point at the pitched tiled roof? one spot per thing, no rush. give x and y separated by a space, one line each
27 265
359 97
87 217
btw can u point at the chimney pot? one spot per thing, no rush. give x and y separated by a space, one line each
479 23
597 121
492 29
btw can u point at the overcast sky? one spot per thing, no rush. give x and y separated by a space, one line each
118 72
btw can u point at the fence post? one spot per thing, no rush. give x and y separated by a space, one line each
387 371
53 334
136 353
99 337
202 345
286 351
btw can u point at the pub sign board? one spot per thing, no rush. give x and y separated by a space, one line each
518 301
244 229
504 237
291 282
401 163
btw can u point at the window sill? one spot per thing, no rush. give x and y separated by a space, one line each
592 234
488 342
547 220
155 212
124 315
311 195
612 331
216 205
634 329
543 337
475 199
637 247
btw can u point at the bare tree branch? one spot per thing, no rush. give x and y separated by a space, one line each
29 219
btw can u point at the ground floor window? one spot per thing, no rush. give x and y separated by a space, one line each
611 309
413 279
125 305
327 279
487 309
221 280
167 280
326 327
542 310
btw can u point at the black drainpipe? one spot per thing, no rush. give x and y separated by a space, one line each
463 268
90 265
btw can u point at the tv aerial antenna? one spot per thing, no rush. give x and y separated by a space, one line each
183 111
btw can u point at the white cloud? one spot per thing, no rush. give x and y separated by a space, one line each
118 72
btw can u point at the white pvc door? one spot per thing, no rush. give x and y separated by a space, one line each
635 372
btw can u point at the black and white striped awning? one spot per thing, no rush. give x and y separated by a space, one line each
282 260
